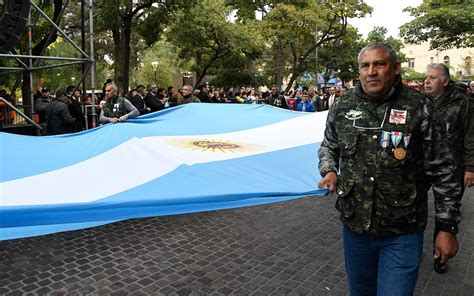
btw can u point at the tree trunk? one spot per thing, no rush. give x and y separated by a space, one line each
249 66
127 32
279 63
118 58
293 77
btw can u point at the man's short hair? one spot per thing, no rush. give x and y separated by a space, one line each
201 86
61 93
391 52
70 89
113 85
443 69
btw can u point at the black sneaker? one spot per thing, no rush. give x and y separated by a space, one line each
439 267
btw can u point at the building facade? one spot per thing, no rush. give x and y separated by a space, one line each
459 60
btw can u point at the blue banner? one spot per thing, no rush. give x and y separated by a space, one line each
191 158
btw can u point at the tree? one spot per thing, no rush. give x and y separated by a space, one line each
410 74
379 35
340 55
445 24
122 17
205 35
304 26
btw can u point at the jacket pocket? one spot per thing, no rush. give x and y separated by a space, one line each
345 204
398 203
348 149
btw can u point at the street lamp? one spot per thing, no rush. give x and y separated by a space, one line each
154 64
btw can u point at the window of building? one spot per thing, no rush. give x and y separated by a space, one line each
446 60
468 65
411 63
431 60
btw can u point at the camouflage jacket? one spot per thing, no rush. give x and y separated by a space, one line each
453 118
187 100
380 191
453 138
114 107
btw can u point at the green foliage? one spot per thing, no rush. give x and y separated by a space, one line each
303 26
445 24
410 75
165 54
379 35
340 55
205 35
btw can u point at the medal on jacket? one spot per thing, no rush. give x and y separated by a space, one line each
398 153
384 142
406 140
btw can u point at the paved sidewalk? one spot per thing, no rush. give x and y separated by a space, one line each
291 247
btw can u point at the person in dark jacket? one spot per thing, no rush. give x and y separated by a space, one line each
138 100
116 109
275 99
40 105
75 108
152 100
58 118
376 151
453 122
203 94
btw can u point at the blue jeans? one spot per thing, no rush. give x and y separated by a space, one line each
382 265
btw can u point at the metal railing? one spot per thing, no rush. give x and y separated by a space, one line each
15 115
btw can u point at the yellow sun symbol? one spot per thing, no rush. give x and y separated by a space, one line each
211 145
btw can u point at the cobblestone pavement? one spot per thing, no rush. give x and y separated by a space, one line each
291 247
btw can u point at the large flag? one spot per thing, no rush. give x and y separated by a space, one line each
191 158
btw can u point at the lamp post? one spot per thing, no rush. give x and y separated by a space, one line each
154 64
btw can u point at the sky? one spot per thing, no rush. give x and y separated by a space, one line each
386 13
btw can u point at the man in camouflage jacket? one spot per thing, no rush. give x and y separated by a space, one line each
377 139
453 170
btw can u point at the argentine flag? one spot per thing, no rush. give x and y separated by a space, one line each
191 158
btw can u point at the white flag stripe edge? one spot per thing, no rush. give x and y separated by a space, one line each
139 161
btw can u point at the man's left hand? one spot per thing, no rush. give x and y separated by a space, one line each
446 246
468 179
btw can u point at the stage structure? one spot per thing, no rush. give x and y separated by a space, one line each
17 17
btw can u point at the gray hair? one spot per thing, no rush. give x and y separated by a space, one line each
391 52
443 69
113 85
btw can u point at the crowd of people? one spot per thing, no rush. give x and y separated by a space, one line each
385 145
68 111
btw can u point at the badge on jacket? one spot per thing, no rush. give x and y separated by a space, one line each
354 114
398 116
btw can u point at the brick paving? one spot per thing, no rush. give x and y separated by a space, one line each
285 248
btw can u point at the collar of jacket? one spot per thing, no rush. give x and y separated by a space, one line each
447 96
394 91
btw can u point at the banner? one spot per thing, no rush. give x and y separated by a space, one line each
191 158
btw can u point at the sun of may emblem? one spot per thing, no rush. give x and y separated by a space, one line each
211 145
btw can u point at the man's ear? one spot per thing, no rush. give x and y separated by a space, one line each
445 82
398 68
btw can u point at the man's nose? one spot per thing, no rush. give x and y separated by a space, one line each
371 70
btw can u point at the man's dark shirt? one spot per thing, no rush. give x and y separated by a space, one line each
139 103
75 109
204 97
152 102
